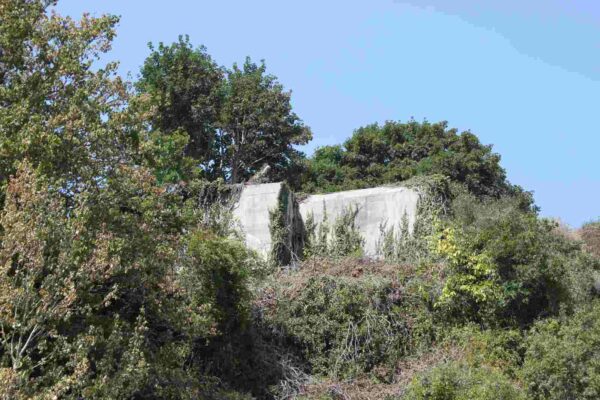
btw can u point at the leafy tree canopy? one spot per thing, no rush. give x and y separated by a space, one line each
258 125
184 87
396 151
234 120
57 111
91 304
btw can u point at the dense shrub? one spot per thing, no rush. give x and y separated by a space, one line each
506 266
502 349
478 364
343 325
561 361
215 279
227 344
455 381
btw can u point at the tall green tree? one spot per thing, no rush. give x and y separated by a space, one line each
182 86
257 124
91 299
233 121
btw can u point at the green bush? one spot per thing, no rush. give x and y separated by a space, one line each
226 346
562 360
343 326
455 381
506 266
502 349
215 279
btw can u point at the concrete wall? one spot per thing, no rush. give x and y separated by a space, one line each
376 206
252 214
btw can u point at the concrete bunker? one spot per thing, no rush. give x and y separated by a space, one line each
269 219
375 207
272 219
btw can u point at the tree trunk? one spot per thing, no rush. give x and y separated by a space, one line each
235 169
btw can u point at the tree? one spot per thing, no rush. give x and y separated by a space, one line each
396 151
235 120
183 88
55 109
257 124
86 293
91 305
36 290
325 169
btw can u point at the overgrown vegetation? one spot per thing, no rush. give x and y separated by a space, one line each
123 276
494 269
338 239
348 324
412 244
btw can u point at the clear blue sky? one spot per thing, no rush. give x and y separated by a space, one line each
522 75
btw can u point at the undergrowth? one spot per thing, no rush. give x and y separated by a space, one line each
447 311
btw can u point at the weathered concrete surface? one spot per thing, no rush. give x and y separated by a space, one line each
376 206
252 214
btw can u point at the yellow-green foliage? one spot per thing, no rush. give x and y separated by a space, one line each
472 274
506 266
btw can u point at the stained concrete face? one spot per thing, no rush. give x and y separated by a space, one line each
252 214
376 207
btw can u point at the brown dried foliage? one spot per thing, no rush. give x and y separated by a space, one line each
590 234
